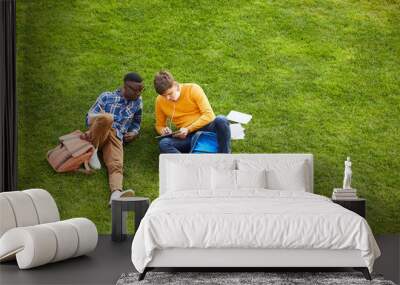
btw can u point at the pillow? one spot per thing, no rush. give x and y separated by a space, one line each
226 179
281 174
188 177
223 179
251 178
287 179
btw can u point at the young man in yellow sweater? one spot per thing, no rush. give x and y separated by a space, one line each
188 108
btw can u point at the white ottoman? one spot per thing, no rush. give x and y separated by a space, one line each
31 232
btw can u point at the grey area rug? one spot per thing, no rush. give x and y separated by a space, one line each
228 278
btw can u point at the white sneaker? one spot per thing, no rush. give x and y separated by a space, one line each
121 194
128 193
94 161
114 195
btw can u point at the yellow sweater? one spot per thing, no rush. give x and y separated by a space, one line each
192 109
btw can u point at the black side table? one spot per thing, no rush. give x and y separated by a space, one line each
356 205
119 209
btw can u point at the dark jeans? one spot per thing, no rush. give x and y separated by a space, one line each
220 126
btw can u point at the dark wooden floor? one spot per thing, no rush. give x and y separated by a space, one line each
103 266
110 260
389 262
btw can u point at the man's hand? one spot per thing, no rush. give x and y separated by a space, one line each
130 136
183 132
165 131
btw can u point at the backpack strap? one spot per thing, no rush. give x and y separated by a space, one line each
86 170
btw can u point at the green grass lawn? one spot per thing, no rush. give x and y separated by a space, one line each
319 77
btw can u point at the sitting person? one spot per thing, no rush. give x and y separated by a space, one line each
188 108
115 119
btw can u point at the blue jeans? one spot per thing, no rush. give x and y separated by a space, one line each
220 126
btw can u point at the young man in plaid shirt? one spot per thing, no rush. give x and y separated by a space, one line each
115 119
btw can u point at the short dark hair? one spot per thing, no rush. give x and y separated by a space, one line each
163 81
133 76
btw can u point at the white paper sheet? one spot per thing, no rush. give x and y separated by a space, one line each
237 132
239 117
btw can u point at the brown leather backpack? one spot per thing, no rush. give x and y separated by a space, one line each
71 153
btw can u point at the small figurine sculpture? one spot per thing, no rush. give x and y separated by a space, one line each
347 174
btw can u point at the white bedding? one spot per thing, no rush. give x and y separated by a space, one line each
250 218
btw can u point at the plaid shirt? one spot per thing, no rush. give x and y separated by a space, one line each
127 113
